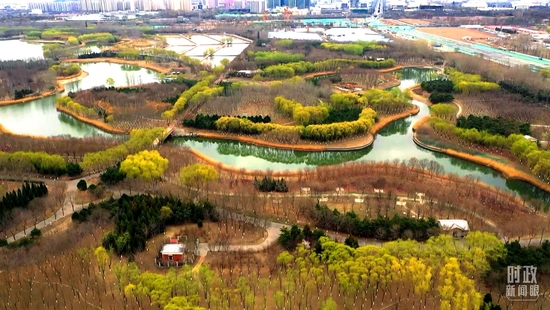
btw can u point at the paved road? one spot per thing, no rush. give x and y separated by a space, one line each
68 207
504 57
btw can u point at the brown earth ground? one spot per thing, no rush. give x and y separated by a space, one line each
8 186
414 21
232 233
392 22
457 33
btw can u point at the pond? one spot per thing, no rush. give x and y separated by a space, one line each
20 50
40 118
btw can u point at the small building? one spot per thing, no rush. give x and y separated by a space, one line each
456 228
529 138
246 73
172 252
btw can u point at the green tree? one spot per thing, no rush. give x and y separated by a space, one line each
101 257
82 185
110 82
329 304
197 174
145 165
72 41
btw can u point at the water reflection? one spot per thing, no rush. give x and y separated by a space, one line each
40 118
400 127
392 142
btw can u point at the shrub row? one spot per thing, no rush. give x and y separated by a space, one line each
186 96
469 83
67 102
278 57
282 71
381 228
523 90
21 197
40 162
327 132
208 122
355 48
528 152
437 97
300 114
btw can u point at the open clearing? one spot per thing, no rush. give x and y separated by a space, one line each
414 21
457 33
226 232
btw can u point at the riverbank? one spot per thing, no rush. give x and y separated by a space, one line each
71 78
507 170
96 123
418 97
392 69
60 82
352 144
139 63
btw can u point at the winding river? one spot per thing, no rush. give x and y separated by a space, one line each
392 142
40 118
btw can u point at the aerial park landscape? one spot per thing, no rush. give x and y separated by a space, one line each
155 168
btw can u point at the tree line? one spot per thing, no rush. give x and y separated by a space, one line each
469 83
526 151
328 276
137 218
381 228
275 57
40 162
208 122
529 95
21 197
284 71
269 184
356 48
187 96
328 132
290 238
495 126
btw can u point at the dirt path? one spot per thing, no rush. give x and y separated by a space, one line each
199 263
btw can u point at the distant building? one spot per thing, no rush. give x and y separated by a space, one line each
456 228
431 7
257 6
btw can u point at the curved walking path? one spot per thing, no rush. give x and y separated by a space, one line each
459 105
